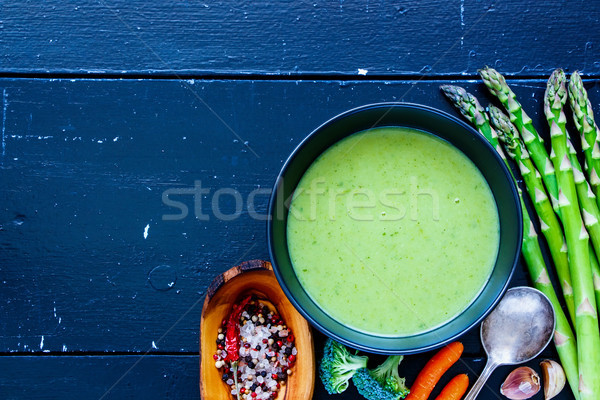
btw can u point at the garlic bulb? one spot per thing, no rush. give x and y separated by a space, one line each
554 378
520 384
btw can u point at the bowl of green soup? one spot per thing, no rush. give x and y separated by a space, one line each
394 228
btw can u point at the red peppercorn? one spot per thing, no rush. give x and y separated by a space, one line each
279 343
253 394
265 341
242 390
292 358
215 356
278 386
274 376
220 347
290 338
224 322
247 345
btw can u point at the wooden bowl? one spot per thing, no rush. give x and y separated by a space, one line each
252 277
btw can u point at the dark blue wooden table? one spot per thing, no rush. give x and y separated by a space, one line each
114 110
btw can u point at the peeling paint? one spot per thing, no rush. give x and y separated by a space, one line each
462 21
4 110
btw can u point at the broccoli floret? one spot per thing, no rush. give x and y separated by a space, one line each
338 365
381 383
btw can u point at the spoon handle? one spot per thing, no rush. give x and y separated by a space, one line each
490 366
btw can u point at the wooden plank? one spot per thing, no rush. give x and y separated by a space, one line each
174 377
84 169
89 377
231 37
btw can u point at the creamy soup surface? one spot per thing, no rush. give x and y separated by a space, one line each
393 231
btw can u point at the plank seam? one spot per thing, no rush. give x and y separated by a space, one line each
267 77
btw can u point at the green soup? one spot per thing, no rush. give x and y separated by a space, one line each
393 231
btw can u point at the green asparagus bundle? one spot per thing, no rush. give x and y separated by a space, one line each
564 340
497 85
535 144
549 223
590 211
584 121
589 208
586 318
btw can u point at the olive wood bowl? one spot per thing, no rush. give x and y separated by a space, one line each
252 277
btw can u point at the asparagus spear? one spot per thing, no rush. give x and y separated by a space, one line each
535 144
586 319
471 109
550 226
584 121
497 85
564 339
596 273
587 199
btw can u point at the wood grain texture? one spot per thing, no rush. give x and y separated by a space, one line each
303 37
254 277
75 267
99 377
175 377
83 172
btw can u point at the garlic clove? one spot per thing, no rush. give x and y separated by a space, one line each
522 383
554 378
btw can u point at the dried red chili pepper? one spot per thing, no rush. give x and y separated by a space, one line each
232 339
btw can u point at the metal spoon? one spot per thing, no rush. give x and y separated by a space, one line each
518 329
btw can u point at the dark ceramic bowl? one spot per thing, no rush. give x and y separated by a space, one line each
427 119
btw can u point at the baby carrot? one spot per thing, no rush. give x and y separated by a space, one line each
455 389
433 371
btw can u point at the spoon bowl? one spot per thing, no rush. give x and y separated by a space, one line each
516 331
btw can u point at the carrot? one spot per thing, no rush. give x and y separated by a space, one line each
455 389
433 371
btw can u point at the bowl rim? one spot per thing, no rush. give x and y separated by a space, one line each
391 105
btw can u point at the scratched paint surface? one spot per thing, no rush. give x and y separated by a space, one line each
94 260
120 199
317 37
